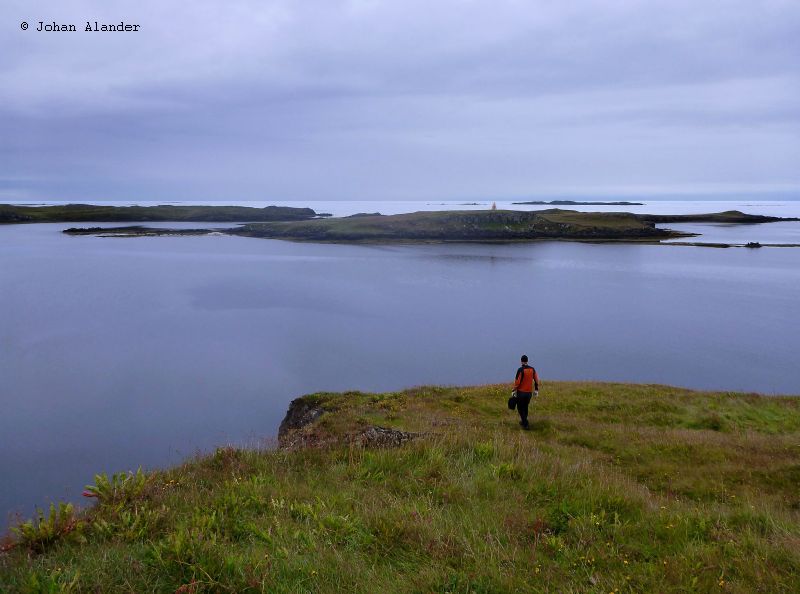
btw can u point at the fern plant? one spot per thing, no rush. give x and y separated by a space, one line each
42 531
128 524
122 486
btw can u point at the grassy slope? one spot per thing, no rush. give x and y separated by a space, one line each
92 213
618 488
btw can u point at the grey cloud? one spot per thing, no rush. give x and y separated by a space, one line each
369 99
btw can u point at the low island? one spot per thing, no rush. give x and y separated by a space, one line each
458 226
84 213
616 488
304 224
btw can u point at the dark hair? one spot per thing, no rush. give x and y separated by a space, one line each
524 358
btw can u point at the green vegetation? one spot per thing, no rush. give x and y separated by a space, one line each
81 213
617 488
121 487
40 533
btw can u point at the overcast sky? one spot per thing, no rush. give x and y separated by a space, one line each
408 99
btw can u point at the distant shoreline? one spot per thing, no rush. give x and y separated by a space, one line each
473 226
444 226
84 213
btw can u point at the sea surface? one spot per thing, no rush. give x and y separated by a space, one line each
121 352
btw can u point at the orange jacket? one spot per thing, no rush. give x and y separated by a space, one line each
526 380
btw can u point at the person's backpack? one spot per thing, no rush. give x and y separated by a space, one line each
512 402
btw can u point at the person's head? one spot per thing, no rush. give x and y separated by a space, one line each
524 358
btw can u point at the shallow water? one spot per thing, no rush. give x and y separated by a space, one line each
770 233
116 352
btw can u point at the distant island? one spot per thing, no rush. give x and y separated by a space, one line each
457 226
304 224
85 213
578 203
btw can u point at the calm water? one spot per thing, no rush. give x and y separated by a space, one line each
120 352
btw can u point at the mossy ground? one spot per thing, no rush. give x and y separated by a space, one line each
617 488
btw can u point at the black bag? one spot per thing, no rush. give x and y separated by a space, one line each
512 402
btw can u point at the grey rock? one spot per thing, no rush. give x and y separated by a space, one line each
301 413
383 437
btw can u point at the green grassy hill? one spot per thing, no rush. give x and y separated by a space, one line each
617 488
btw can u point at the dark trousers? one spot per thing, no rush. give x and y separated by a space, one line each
523 400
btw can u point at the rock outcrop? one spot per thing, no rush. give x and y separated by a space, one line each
297 430
376 436
302 412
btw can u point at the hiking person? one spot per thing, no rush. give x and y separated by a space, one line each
526 385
